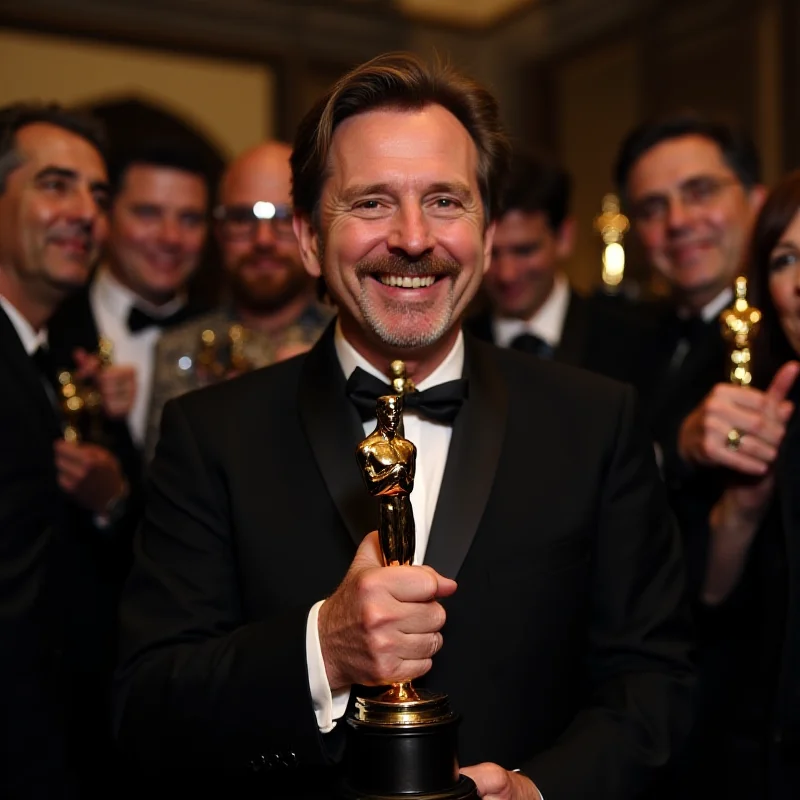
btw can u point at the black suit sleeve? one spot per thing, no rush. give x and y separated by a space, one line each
640 707
197 686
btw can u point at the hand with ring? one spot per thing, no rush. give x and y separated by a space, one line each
739 427
734 440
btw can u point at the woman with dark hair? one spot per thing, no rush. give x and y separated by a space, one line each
748 737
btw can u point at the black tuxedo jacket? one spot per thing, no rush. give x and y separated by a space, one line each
668 397
34 519
566 642
596 336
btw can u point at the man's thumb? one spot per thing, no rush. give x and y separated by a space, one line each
369 552
783 381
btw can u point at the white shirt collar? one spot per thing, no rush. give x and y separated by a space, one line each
119 299
31 340
450 369
713 309
547 323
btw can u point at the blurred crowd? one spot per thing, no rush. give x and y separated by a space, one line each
99 332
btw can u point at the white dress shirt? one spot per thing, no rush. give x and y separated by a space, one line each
111 304
433 442
31 339
547 323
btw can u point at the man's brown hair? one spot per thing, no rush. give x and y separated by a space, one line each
400 81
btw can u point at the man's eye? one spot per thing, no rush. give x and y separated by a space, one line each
146 212
102 200
701 190
368 205
446 203
192 220
59 185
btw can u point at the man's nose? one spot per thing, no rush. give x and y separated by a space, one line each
411 231
170 232
678 215
264 234
84 207
503 266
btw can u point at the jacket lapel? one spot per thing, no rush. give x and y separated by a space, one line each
472 460
334 429
26 377
571 348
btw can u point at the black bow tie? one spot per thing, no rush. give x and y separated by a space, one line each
535 345
139 320
440 403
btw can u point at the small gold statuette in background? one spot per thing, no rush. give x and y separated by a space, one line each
237 338
612 225
217 360
72 405
740 325
402 742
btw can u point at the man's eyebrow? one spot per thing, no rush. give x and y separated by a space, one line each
361 189
460 190
53 171
56 172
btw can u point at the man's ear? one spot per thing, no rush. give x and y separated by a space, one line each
308 240
488 241
756 197
565 238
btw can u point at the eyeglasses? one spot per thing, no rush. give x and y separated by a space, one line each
240 222
698 192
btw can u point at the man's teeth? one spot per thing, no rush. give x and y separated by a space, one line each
407 283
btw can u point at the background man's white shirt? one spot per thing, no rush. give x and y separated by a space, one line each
111 303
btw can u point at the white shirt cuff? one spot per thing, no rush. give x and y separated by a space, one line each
328 706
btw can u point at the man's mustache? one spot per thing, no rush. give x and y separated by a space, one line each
407 267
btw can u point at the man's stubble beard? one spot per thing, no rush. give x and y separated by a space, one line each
418 328
265 295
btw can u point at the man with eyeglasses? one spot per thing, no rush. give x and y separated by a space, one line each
692 190
271 304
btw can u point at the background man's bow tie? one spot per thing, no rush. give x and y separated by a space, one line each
139 320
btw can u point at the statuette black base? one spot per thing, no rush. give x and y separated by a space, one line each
404 751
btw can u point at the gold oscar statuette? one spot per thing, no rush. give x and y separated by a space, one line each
402 742
72 405
740 325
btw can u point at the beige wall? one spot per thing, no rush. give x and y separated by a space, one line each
231 103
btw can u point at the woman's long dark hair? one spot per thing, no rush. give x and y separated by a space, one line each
771 348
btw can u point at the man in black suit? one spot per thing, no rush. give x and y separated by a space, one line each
531 305
157 231
692 188
564 643
57 498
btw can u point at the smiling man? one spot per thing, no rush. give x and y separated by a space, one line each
53 202
157 229
271 296
531 305
692 189
258 602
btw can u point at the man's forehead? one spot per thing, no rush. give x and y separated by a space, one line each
43 144
255 185
416 144
674 161
162 182
518 224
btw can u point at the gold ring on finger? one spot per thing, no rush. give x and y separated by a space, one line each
734 440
